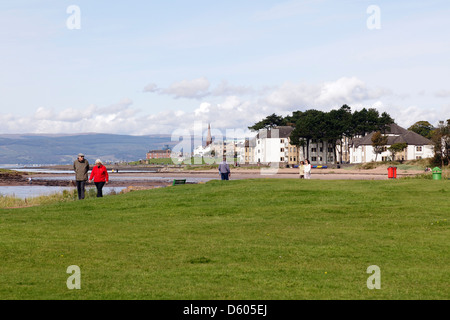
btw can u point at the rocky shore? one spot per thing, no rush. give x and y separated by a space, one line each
44 179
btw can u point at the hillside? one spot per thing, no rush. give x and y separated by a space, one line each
62 149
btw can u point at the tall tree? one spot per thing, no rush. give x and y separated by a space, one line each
383 122
339 126
310 125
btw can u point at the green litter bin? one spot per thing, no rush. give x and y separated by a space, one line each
437 173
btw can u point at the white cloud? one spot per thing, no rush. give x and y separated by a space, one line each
196 88
443 93
230 112
42 113
199 88
152 87
328 95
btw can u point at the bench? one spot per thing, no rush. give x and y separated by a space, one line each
178 181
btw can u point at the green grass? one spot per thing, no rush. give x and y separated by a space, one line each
239 239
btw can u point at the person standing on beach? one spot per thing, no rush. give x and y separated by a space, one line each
307 169
100 176
224 170
81 168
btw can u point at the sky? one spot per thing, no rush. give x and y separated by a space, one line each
154 67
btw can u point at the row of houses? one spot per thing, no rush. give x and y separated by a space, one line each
273 145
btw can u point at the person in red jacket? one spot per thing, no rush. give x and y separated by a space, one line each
100 176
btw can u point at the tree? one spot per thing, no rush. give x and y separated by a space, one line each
269 122
379 141
396 148
384 121
310 125
424 128
441 140
339 126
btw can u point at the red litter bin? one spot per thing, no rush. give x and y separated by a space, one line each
392 172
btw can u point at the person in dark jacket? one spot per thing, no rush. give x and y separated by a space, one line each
224 170
81 168
100 176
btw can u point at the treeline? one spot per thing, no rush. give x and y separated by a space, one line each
330 127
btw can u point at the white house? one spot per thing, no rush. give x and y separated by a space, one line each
418 147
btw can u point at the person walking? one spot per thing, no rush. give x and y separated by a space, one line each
301 169
100 176
224 170
307 169
81 168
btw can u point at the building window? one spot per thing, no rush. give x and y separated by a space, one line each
281 140
313 158
419 148
281 149
330 150
383 158
314 150
418 157
282 159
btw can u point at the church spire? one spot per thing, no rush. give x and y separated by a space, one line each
208 138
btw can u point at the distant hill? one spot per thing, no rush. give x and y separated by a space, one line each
63 149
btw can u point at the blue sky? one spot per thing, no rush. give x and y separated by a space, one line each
145 67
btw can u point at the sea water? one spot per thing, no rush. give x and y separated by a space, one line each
26 192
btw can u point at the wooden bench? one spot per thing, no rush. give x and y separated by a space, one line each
178 181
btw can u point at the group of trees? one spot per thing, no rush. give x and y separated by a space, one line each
328 127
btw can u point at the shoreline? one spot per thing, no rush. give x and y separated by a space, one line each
136 176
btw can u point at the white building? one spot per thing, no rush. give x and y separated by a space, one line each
272 145
418 147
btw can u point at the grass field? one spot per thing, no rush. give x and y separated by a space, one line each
245 239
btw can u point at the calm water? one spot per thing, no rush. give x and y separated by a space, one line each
35 191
